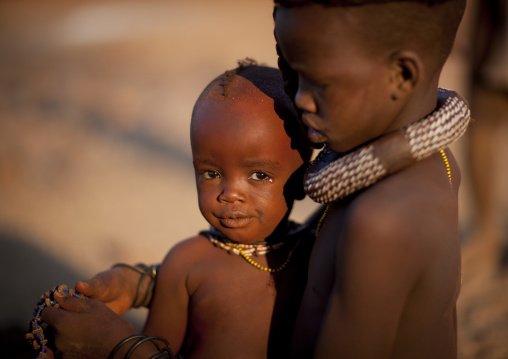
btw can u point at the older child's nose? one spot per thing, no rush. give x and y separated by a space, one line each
231 193
304 100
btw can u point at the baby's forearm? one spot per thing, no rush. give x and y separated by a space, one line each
141 282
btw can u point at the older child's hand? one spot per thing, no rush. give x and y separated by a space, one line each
115 287
85 328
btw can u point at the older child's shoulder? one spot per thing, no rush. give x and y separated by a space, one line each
409 210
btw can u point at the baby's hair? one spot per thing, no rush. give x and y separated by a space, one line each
269 81
425 26
225 80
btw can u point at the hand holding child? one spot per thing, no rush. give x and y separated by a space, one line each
99 331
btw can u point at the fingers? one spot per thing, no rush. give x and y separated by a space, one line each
50 354
53 316
103 286
85 288
93 288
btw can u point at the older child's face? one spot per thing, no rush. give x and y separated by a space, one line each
343 92
242 160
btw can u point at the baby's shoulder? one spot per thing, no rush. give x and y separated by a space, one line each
188 251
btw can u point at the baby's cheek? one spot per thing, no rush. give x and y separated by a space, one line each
205 206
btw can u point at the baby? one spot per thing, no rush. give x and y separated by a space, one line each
234 290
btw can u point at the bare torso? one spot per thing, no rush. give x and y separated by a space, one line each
373 296
229 310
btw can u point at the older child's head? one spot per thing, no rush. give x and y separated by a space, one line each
356 64
244 159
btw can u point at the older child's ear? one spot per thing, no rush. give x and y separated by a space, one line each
407 70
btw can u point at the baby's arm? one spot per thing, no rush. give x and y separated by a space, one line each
169 308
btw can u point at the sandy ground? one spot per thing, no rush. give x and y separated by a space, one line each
95 102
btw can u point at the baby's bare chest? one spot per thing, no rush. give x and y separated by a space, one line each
232 293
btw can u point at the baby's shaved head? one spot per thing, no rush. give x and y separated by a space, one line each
265 80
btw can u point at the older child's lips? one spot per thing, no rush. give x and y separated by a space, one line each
237 222
315 136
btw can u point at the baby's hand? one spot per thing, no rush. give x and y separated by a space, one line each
115 287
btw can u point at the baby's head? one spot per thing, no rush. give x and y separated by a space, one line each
359 63
246 164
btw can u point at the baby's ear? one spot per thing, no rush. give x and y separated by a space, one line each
407 70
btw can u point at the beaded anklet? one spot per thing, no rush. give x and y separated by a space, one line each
35 335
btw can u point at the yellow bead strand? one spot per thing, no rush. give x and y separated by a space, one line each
447 165
259 266
322 219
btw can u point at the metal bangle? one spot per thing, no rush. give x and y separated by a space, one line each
122 343
145 271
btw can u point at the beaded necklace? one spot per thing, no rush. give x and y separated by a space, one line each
447 165
448 173
247 250
333 176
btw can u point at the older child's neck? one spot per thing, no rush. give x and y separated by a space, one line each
419 104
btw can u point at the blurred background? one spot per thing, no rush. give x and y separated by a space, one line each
95 162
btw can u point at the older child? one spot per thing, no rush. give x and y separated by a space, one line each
232 291
384 274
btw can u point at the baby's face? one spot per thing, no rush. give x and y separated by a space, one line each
242 161
342 90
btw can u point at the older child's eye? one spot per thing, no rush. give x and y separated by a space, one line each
211 174
260 176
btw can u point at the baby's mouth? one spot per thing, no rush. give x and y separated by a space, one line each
234 221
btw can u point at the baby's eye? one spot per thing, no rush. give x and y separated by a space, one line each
211 174
260 176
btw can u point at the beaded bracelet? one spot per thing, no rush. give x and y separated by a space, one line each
145 271
36 335
165 352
